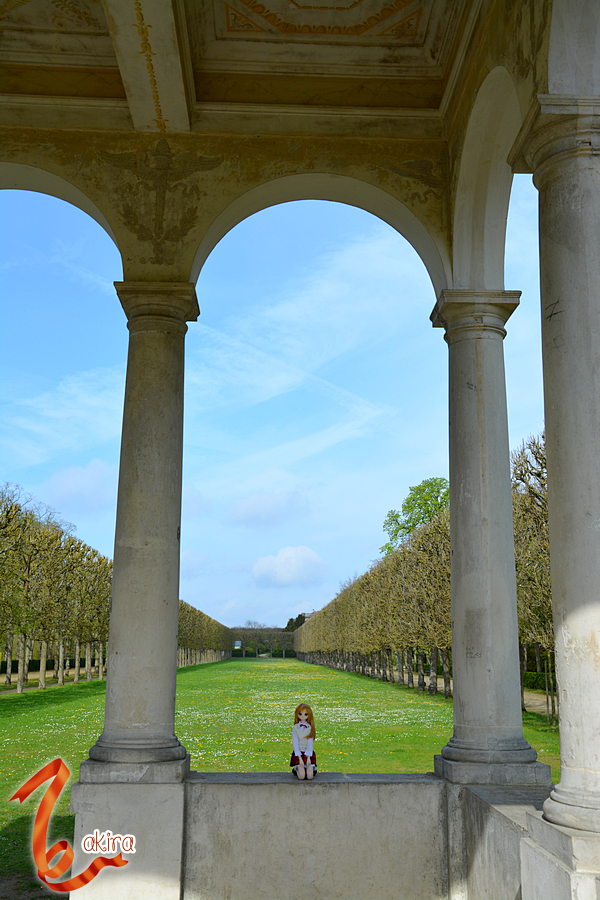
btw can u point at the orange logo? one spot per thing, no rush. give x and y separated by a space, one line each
59 773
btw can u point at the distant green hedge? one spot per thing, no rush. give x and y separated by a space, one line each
537 681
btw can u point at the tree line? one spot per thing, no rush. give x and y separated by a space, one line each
201 639
55 600
55 591
394 620
255 638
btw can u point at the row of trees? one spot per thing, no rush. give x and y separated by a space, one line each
292 623
391 614
396 616
54 591
532 543
55 599
201 639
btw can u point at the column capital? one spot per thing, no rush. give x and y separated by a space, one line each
556 128
166 299
469 314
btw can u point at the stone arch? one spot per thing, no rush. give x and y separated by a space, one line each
340 188
574 51
17 176
484 182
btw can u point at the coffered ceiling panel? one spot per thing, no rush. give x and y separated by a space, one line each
68 32
391 34
169 65
340 22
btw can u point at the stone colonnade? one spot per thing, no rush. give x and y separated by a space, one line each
140 706
488 733
138 743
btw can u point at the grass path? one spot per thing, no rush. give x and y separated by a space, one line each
234 716
245 723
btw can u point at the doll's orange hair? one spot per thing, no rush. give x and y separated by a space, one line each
306 708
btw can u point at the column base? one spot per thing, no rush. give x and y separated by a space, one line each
557 862
516 750
491 772
570 814
170 772
153 814
151 750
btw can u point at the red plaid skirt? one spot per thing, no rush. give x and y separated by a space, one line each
305 759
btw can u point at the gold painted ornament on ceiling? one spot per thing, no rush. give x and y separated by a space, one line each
340 20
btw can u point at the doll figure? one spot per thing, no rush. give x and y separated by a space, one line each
304 760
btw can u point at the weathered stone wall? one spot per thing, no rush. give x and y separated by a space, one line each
340 837
494 822
267 836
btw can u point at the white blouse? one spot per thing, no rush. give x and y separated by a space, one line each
300 743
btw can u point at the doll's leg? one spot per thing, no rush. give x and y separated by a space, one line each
300 769
309 770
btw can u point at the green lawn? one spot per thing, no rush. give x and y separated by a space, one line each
234 716
35 728
244 722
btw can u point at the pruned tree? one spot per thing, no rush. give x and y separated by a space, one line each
532 544
423 502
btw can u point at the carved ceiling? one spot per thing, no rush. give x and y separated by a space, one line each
162 65
349 20
63 15
57 31
342 32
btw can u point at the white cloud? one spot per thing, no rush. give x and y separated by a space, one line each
193 503
82 410
354 292
193 563
82 489
357 295
231 605
282 399
64 258
263 508
67 254
292 566
270 466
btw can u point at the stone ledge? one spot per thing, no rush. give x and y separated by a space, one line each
266 835
94 772
579 850
243 778
492 773
487 825
514 802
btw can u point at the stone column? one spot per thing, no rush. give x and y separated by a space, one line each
488 744
142 663
563 151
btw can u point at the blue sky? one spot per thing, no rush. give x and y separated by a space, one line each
316 390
